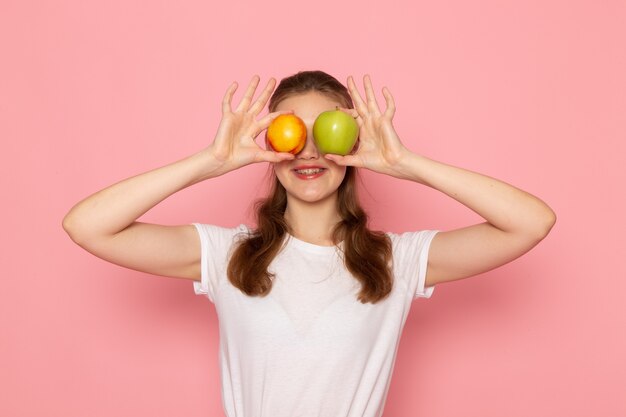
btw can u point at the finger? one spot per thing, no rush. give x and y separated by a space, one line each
372 104
391 104
265 121
347 160
247 98
260 102
356 97
351 112
354 113
270 156
228 97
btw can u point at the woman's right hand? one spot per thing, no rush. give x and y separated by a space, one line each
234 145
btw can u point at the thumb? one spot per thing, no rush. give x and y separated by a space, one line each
348 160
270 156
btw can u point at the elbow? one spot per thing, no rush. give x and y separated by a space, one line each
551 219
537 227
70 227
65 223
547 223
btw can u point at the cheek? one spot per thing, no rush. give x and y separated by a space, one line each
340 171
281 170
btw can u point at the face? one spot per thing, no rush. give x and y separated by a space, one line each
316 187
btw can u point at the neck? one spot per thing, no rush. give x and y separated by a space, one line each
313 222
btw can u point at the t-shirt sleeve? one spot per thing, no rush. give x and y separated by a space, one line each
410 260
216 244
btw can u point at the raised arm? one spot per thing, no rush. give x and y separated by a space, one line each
105 223
516 221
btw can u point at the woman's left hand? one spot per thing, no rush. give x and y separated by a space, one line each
378 148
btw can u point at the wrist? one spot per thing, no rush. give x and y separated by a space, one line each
409 165
207 165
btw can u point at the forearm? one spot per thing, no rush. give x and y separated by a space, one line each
114 208
504 206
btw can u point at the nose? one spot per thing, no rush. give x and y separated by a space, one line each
310 150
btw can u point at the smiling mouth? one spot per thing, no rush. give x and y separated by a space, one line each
310 171
309 174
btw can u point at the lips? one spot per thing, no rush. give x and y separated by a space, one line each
300 167
309 172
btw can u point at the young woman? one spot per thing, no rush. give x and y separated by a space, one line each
311 303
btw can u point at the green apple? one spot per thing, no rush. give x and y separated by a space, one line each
335 131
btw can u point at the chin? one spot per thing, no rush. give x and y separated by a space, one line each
313 198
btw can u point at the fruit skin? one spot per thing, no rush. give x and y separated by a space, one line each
335 131
287 133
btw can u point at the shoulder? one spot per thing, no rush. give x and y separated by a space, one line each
412 246
411 239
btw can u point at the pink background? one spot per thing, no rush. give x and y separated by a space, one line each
533 93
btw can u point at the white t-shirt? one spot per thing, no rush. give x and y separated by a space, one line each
309 348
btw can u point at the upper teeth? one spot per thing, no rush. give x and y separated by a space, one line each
309 171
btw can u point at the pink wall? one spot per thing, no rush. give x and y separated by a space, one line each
532 93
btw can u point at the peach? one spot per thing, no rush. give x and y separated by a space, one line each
287 133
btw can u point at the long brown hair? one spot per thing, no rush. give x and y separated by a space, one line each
366 253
